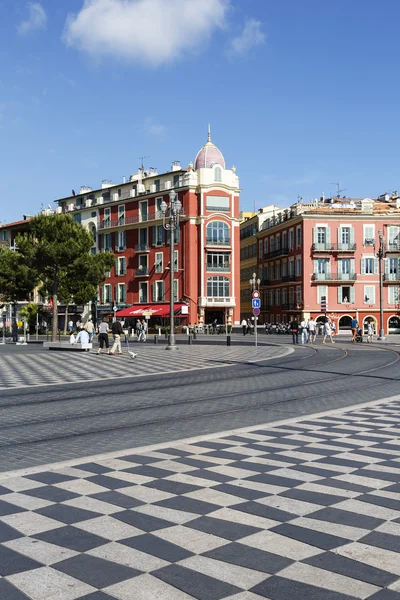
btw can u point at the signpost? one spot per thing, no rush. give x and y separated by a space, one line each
256 304
323 305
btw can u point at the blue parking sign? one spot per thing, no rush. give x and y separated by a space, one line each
256 303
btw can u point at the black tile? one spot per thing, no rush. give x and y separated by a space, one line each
97 596
275 480
142 521
140 459
238 438
279 588
370 452
240 491
323 451
6 508
49 477
313 497
172 487
319 471
12 562
221 528
382 540
378 475
149 471
72 538
51 493
227 454
8 533
380 501
117 498
198 507
338 444
251 558
9 592
385 595
175 452
324 541
111 483
95 571
254 466
393 488
206 474
195 584
340 462
4 490
345 517
94 468
344 485
351 568
267 512
196 463
212 445
67 514
157 547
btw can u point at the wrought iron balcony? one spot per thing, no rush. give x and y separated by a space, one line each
142 272
276 253
219 268
334 277
134 219
391 277
286 278
265 282
393 247
218 242
328 247
142 248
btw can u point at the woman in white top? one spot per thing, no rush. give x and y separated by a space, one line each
327 332
370 332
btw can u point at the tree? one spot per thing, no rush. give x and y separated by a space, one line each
57 250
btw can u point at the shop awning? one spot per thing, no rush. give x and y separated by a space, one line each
153 310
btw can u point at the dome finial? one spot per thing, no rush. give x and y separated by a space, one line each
209 133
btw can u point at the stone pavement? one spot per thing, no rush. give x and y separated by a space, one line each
36 366
301 509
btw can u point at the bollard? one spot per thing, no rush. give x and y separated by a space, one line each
190 339
156 339
194 335
228 340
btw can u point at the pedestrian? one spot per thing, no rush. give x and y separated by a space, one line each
370 331
333 326
312 330
327 332
89 327
294 328
244 326
248 330
70 326
304 332
103 336
116 330
72 339
214 325
145 328
82 337
354 326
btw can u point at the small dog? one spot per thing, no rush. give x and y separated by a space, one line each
132 354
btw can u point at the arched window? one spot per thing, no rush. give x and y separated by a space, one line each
217 173
94 233
218 286
218 232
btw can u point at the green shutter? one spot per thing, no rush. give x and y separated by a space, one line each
339 295
352 266
328 237
376 265
363 266
351 235
315 234
352 294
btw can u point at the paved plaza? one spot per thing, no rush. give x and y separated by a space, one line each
302 509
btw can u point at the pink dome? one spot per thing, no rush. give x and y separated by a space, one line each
209 156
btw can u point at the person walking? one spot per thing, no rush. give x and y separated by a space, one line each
312 330
249 331
294 328
304 332
116 330
354 327
138 328
143 331
70 326
328 332
244 326
103 337
89 327
370 331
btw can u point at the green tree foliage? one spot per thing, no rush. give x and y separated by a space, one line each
17 279
57 250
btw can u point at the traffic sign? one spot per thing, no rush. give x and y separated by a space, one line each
323 303
256 294
256 303
256 312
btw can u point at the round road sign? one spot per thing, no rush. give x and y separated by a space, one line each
256 294
256 312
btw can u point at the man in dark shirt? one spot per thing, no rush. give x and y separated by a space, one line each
354 325
294 326
116 330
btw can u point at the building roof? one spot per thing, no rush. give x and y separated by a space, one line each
209 155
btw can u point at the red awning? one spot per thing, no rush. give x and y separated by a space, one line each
156 310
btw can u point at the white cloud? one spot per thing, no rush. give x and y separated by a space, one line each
152 32
36 19
250 37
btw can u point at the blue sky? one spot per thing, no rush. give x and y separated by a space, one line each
299 94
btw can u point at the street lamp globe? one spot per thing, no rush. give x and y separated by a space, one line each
172 196
163 206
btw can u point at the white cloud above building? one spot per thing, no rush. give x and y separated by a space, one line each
250 37
36 18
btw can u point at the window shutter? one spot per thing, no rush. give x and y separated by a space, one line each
352 266
162 290
352 295
315 265
376 265
386 264
153 291
373 294
363 266
154 235
328 236
339 235
315 235
328 266
351 235
339 295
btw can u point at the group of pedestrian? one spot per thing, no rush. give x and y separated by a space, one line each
116 331
247 326
141 330
307 330
85 332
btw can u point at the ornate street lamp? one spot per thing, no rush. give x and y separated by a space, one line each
380 254
255 285
171 214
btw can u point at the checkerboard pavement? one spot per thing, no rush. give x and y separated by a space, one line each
46 367
304 509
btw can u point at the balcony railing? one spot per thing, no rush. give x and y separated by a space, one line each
131 220
275 253
265 282
328 247
142 272
142 248
219 268
218 242
286 278
391 276
334 276
393 247
291 306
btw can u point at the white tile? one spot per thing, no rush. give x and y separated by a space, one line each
81 487
109 528
371 555
46 553
185 478
145 587
171 465
20 484
364 508
130 477
344 531
305 456
326 489
75 472
329 581
235 575
363 480
259 487
232 472
293 474
297 507
114 464
48 584
25 501
30 523
169 514
389 527
145 494
214 497
190 539
236 516
88 503
130 557
279 544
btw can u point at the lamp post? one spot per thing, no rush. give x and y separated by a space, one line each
171 214
380 254
255 285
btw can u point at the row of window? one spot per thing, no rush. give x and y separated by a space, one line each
291 268
287 239
369 265
345 234
248 252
